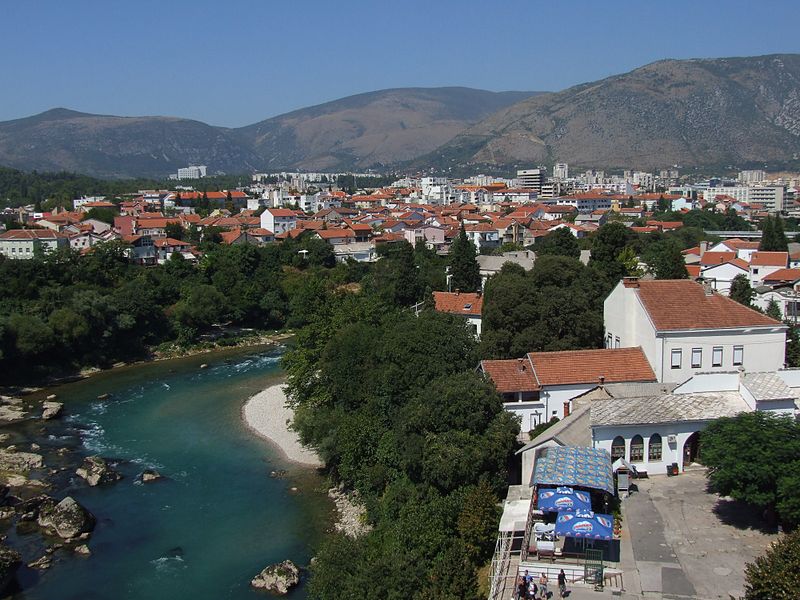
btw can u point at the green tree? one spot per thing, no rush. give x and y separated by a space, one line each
395 277
560 242
776 574
175 231
735 450
773 238
741 291
106 215
665 260
477 523
464 270
774 311
608 243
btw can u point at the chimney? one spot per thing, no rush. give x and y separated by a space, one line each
703 248
566 409
709 291
458 291
602 380
630 282
521 366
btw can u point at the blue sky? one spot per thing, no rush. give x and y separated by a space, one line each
239 61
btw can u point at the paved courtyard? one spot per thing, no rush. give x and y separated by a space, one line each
688 543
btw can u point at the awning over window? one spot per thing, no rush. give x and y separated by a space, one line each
585 525
579 466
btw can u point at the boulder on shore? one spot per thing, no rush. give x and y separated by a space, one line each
19 462
51 410
67 519
10 560
277 579
95 470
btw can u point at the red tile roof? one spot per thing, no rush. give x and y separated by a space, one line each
681 304
783 276
716 258
461 303
769 259
571 367
31 234
510 375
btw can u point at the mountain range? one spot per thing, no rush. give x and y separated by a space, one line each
700 112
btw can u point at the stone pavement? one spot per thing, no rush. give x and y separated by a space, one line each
686 542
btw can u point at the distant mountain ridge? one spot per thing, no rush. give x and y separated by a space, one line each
698 112
372 129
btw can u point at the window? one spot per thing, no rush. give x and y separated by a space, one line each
616 342
697 358
738 356
618 448
755 271
654 450
637 449
608 341
716 356
676 358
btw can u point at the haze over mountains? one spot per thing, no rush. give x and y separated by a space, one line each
689 112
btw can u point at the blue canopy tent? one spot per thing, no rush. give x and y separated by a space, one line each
573 466
588 525
563 499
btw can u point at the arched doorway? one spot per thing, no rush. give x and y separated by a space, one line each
691 449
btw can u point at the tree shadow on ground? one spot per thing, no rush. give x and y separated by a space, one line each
743 516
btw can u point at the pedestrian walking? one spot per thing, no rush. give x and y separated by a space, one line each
562 584
543 585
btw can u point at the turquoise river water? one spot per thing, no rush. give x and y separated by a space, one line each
216 520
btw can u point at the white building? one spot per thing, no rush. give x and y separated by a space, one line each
543 384
560 171
753 176
684 327
192 172
26 243
278 220
466 305
531 179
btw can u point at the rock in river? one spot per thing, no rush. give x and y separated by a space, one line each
10 560
95 470
67 519
149 475
277 579
51 410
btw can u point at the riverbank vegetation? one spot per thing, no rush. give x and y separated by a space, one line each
63 312
393 404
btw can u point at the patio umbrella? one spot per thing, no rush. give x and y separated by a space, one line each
563 498
585 524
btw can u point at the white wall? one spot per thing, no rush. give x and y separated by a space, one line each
530 413
625 318
670 453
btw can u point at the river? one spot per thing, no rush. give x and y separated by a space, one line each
213 523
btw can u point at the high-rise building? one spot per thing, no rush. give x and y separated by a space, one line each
561 171
754 176
532 179
192 172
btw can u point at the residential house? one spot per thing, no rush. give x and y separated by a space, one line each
464 304
26 243
762 264
543 384
278 220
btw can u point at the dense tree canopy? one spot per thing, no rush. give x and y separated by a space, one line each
393 404
608 243
560 242
742 454
556 306
776 574
773 238
665 261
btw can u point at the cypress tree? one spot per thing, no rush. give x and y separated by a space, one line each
464 270
767 235
781 244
